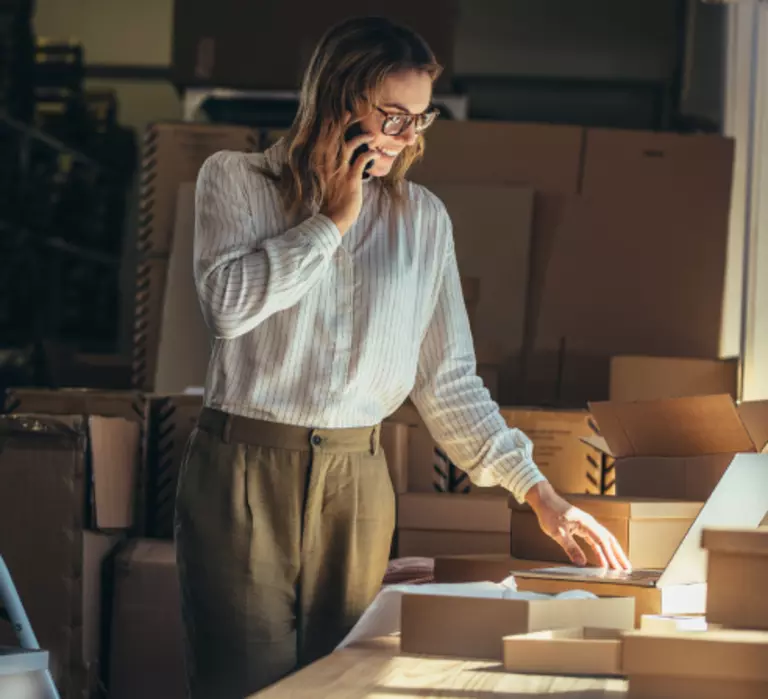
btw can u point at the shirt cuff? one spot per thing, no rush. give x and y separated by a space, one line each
322 233
522 480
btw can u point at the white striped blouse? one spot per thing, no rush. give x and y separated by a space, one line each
319 330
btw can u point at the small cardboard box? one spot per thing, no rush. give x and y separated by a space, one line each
493 567
648 529
719 664
433 524
473 627
740 499
571 465
653 378
576 651
737 577
146 649
676 448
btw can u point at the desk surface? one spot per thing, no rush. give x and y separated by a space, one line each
375 669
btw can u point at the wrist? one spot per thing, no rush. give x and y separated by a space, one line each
542 495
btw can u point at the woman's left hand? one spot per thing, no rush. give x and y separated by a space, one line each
562 521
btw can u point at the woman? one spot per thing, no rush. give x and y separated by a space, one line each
332 298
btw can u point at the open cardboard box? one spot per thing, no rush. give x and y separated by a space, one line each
648 529
740 499
473 627
575 651
737 577
676 448
432 524
719 664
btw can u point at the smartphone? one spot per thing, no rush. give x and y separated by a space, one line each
353 131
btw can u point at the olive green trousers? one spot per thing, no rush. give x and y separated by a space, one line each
283 536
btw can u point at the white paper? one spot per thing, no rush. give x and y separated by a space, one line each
382 618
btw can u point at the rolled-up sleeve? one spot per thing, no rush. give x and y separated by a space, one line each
245 267
457 408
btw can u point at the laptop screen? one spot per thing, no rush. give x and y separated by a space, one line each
740 500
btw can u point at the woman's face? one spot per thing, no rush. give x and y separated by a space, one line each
408 92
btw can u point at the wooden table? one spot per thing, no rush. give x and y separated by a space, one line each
375 669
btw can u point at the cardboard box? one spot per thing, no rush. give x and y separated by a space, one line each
147 650
128 405
492 234
648 530
631 182
571 465
432 524
171 422
669 623
172 153
736 577
151 278
652 378
473 627
97 454
267 45
492 567
739 500
55 565
696 665
576 651
676 448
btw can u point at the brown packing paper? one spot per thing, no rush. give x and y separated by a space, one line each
473 627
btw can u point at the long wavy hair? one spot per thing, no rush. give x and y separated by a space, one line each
344 76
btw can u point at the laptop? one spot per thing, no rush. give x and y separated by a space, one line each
740 500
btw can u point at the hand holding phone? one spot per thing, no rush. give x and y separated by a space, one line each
345 193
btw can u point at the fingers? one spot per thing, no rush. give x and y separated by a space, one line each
359 166
605 545
354 143
602 559
573 550
621 556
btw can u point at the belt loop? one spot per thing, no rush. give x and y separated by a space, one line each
225 433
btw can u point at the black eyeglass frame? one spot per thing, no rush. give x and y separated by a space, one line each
432 113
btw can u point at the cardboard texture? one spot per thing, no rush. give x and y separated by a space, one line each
267 45
648 530
631 182
480 567
431 524
173 152
492 234
676 448
652 378
473 627
740 499
151 278
104 449
577 651
696 665
147 652
171 422
570 465
55 565
737 574
184 341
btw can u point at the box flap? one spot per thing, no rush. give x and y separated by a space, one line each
114 448
754 415
598 443
687 426
740 499
76 401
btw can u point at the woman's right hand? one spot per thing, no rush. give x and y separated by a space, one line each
345 191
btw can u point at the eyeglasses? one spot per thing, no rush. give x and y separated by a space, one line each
396 124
